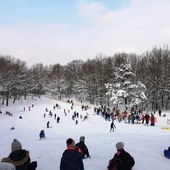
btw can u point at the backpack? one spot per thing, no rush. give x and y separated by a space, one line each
80 151
114 164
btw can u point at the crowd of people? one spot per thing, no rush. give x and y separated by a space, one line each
131 117
72 157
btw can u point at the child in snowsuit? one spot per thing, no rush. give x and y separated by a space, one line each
82 148
42 134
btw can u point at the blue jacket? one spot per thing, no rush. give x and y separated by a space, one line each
71 160
167 153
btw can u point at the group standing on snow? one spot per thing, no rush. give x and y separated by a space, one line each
72 158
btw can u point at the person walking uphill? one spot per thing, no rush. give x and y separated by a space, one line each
122 160
19 157
71 158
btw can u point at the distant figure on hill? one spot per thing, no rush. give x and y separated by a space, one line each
48 124
58 119
152 120
76 122
55 116
147 118
112 126
42 134
12 128
159 112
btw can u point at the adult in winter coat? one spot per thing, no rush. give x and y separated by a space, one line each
147 118
82 148
126 160
71 158
152 120
19 157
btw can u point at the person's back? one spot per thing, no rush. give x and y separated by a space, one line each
19 157
127 161
71 158
82 148
124 161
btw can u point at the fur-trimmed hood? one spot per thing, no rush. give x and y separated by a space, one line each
18 158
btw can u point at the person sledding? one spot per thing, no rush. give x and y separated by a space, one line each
167 152
82 148
42 134
85 118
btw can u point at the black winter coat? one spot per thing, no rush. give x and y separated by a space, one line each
19 158
71 160
127 160
83 148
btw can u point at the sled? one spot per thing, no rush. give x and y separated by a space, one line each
165 128
167 157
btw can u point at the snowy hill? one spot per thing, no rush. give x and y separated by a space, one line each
144 143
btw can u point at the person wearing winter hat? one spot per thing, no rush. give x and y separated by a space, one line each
71 159
82 148
82 139
124 160
19 157
119 145
15 145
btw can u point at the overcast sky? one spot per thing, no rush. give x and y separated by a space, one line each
60 31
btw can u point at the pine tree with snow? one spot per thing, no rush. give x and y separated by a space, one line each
124 89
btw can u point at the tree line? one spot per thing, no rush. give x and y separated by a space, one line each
86 80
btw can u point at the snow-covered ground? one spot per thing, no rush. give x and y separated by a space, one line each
144 143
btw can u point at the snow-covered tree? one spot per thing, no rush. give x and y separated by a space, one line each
124 89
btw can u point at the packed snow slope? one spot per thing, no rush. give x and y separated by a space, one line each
145 143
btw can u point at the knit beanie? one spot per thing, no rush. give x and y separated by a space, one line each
6 166
16 145
82 139
119 145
